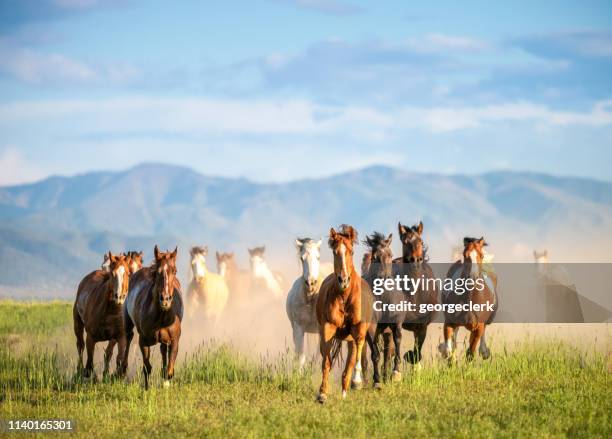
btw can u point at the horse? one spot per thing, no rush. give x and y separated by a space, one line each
134 261
155 307
238 281
302 297
472 267
98 311
344 312
414 265
263 277
105 263
206 289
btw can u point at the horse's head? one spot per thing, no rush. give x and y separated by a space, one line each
310 255
341 244
474 254
381 254
412 243
165 276
134 261
198 261
224 261
257 261
120 277
540 257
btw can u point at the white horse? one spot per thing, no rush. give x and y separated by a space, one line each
262 275
206 289
302 297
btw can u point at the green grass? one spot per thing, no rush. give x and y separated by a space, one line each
541 390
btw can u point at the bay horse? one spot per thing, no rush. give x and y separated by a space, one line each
302 297
263 277
155 307
414 265
98 311
207 290
238 281
344 312
473 267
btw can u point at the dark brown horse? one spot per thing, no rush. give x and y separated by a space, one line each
344 311
155 308
472 267
98 311
413 264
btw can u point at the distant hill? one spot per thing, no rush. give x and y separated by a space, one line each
54 231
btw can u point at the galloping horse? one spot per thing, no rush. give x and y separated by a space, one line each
238 281
98 310
206 289
344 311
134 259
472 267
302 297
155 308
263 277
413 264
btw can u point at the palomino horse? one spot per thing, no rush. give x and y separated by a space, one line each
98 310
134 261
302 297
413 264
155 308
238 281
473 267
344 311
207 289
263 277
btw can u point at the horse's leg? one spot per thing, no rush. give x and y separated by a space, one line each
397 342
475 335
146 363
364 361
298 341
483 349
129 335
163 349
79 329
357 382
121 356
387 354
447 349
90 345
108 354
174 348
325 343
348 367
415 356
373 341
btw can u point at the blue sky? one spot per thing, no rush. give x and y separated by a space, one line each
275 90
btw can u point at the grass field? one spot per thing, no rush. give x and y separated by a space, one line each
543 389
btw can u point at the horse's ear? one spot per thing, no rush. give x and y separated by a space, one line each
481 242
401 229
351 234
420 228
175 252
332 233
298 242
389 238
156 252
218 256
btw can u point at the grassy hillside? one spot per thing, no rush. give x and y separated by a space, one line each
541 390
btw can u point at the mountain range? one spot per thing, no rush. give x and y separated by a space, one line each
54 231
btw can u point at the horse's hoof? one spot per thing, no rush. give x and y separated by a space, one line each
166 384
344 394
357 385
396 377
378 386
486 354
417 367
322 398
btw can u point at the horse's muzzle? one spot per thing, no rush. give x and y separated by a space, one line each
344 283
165 304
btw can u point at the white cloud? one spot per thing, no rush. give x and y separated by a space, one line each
437 42
16 169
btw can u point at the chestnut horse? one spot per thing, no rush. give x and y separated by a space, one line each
413 264
134 261
238 281
155 308
344 312
474 266
98 310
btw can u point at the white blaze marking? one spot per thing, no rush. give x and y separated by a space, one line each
198 264
474 258
342 250
119 273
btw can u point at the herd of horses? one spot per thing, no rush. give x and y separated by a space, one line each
334 301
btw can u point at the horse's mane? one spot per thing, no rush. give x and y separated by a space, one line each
199 250
347 232
375 239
